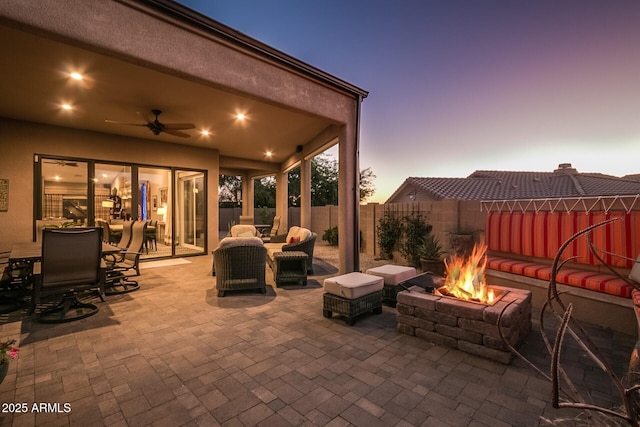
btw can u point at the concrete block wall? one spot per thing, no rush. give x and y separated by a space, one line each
445 216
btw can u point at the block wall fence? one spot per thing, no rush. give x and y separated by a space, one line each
444 216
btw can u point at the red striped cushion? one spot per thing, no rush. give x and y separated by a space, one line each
593 281
541 234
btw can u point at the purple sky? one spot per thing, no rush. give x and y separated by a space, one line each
458 86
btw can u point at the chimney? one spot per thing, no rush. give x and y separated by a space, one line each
565 168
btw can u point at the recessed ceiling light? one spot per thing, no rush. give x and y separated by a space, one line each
76 76
269 153
205 133
241 116
66 107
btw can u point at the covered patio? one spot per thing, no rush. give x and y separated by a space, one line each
173 353
253 111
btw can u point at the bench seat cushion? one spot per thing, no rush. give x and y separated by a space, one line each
594 281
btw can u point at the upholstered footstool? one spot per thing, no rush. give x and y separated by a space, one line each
351 295
393 276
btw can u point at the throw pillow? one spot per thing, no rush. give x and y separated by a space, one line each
246 234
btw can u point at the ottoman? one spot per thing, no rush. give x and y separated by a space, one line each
289 266
351 295
393 276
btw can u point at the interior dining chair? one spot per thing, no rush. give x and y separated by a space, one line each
119 275
70 265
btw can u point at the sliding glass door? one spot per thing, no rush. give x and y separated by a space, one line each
84 192
190 212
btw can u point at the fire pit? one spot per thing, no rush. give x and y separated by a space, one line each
468 323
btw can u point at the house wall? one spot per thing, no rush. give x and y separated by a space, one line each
19 141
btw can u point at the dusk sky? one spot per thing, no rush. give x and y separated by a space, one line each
458 86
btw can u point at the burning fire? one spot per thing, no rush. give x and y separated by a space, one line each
465 277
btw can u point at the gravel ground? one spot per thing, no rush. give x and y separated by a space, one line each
330 255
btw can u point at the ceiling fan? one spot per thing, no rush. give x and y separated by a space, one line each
62 163
157 127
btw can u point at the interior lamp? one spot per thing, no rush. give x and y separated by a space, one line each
162 210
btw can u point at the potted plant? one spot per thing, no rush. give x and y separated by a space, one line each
431 255
7 352
461 241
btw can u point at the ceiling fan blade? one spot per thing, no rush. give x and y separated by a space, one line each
177 133
144 117
179 126
124 123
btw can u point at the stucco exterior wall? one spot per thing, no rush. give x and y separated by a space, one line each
19 141
171 45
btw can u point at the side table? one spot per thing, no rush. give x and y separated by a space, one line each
289 266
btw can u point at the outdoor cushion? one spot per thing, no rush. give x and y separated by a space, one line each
540 234
246 234
635 271
298 232
228 242
600 282
393 274
238 229
353 285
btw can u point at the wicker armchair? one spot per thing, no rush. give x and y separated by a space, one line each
306 245
239 264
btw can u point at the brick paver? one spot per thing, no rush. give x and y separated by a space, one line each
173 353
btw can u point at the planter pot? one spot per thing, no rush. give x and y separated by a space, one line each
461 245
436 266
4 368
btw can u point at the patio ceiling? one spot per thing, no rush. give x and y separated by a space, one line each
35 82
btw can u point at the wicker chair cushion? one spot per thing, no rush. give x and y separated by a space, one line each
300 233
239 229
229 242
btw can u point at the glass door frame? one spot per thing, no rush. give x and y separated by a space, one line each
91 163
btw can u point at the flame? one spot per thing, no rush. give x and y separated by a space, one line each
465 277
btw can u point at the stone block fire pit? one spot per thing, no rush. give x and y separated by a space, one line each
467 326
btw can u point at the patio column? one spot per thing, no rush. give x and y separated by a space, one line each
247 195
305 193
282 201
348 199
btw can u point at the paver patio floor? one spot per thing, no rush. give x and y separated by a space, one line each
173 353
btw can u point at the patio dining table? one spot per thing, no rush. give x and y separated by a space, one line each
32 252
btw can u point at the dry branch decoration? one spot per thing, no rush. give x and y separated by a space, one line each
561 384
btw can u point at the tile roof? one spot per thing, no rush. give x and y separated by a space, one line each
509 185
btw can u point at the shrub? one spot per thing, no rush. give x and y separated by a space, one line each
331 236
389 233
414 230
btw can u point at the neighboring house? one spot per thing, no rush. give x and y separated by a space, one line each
564 182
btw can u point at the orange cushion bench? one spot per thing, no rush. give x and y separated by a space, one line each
525 243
